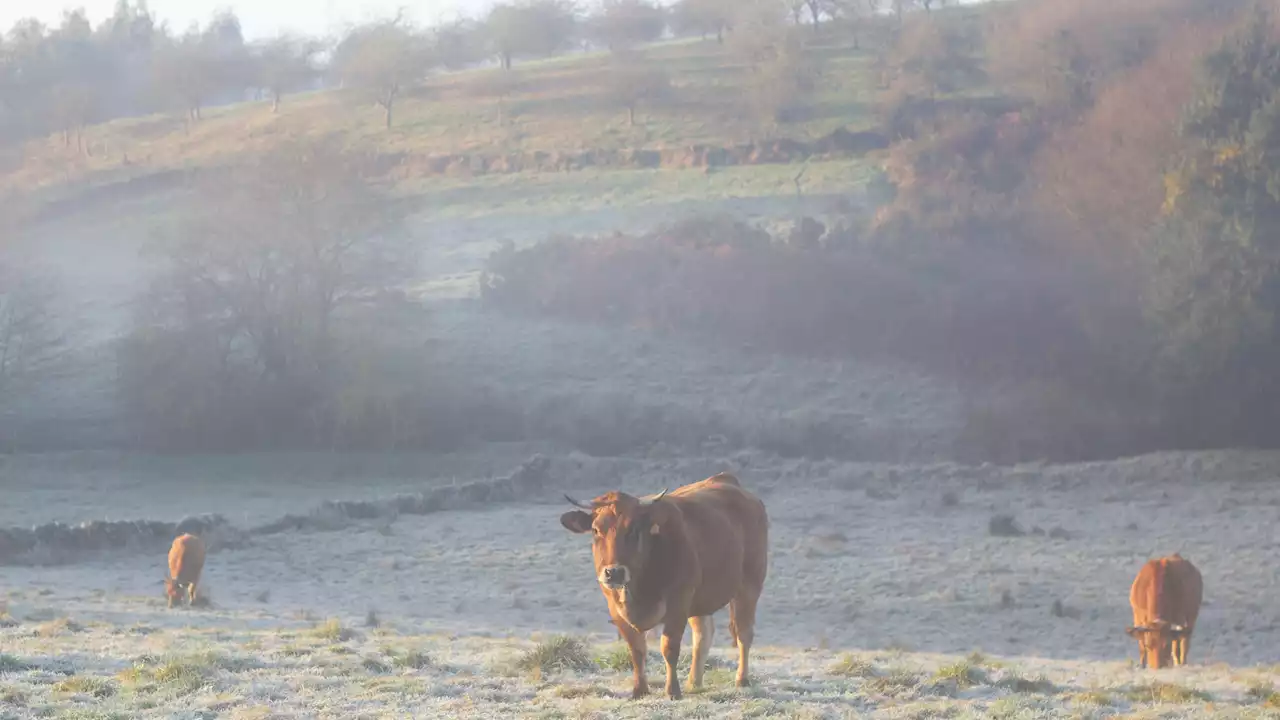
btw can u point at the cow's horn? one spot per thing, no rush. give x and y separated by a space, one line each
656 498
575 503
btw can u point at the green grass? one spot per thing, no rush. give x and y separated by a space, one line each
558 105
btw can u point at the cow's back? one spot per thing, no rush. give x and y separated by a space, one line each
186 558
1184 591
1169 589
728 529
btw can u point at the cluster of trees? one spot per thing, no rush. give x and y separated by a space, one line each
1086 204
64 78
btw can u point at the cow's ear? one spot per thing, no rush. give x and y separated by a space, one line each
576 521
661 515
1134 631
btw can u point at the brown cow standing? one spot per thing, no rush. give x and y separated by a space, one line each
675 559
186 560
1166 599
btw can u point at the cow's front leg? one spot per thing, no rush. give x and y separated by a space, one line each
638 647
672 634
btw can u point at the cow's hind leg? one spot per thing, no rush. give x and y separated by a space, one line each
638 647
191 594
704 631
742 614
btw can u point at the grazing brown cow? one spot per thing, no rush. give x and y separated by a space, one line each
186 560
677 558
1166 601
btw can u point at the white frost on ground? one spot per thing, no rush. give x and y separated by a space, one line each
865 558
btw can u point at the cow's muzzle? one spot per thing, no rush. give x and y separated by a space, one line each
615 577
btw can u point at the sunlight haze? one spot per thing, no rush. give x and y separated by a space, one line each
259 19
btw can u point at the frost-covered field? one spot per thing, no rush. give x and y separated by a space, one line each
225 665
884 580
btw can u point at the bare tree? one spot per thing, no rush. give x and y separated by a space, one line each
633 83
855 13
239 340
187 75
534 28
285 64
782 74
458 44
702 17
378 61
73 106
624 24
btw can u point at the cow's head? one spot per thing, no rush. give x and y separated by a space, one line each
624 531
172 590
1155 642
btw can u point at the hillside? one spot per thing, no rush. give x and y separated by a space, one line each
566 109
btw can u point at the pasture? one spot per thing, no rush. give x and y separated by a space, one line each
894 591
901 585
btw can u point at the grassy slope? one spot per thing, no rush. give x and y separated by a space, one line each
561 104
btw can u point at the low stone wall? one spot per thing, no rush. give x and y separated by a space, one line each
525 481
839 144
59 543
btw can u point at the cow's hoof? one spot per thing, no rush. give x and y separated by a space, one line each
637 693
743 682
674 693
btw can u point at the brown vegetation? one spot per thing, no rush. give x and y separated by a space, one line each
1020 236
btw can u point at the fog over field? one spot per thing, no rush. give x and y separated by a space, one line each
975 297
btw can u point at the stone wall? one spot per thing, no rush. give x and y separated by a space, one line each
59 543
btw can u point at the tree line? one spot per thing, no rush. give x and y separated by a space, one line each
62 79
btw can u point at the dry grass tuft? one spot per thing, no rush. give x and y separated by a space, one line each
96 687
559 653
1263 693
1034 685
61 626
898 683
333 631
852 666
1162 693
13 695
963 674
413 660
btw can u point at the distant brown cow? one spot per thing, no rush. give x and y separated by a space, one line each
1166 599
675 559
186 560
